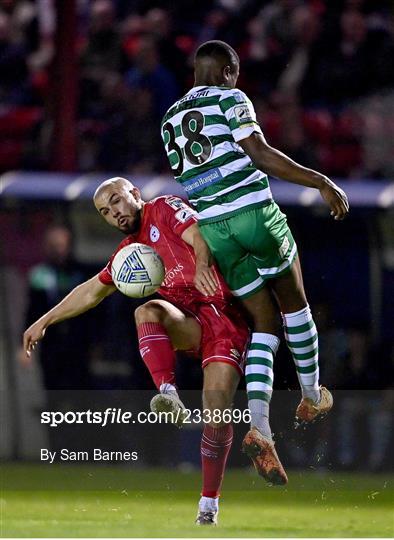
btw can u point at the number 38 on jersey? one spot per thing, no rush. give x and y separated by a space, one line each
194 147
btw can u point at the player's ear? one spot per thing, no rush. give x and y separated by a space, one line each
136 193
227 71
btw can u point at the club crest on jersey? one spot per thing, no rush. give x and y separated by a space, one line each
133 270
154 233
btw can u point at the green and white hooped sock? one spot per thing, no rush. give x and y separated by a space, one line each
260 378
302 340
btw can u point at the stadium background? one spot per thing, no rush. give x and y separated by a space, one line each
83 85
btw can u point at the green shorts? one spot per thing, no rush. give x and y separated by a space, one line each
251 247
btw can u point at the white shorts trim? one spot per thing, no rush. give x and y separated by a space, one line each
277 269
248 288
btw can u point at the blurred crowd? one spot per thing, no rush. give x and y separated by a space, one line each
319 72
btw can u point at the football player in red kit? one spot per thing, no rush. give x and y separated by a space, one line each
195 314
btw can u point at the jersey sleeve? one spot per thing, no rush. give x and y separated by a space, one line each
239 113
105 275
177 214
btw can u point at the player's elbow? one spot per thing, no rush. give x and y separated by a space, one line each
92 292
86 297
257 153
259 163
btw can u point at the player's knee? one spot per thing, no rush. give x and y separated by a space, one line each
220 398
149 312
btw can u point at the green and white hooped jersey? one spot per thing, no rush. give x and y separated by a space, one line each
200 134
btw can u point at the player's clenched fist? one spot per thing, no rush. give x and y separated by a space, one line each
33 334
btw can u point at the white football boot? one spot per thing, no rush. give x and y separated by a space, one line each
169 403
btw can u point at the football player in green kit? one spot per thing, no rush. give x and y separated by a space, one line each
218 153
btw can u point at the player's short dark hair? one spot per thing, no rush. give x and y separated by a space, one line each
220 51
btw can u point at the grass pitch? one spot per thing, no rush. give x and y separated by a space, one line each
92 501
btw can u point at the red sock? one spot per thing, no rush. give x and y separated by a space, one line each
157 352
215 446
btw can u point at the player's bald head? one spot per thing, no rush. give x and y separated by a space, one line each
119 202
116 184
211 59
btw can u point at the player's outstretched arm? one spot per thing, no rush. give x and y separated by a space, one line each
205 279
81 299
277 164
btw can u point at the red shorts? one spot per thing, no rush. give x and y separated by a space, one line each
225 336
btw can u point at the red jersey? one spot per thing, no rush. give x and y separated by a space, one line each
164 220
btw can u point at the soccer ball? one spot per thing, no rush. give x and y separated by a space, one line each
137 270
